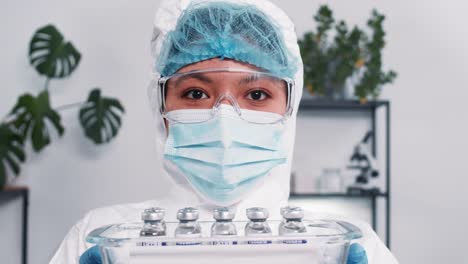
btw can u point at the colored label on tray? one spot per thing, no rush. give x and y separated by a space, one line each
188 243
259 242
150 244
295 241
222 243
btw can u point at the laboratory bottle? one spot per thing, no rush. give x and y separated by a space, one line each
331 181
153 222
258 222
188 225
223 225
292 221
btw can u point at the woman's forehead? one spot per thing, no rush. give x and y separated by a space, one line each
220 77
218 63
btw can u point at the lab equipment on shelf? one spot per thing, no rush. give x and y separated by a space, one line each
331 181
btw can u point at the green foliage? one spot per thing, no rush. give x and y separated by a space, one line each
100 117
328 64
315 63
51 55
373 77
31 115
11 151
344 53
325 20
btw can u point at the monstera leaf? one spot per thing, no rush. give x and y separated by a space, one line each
51 55
11 151
100 117
31 114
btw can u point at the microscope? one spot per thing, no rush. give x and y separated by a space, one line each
363 161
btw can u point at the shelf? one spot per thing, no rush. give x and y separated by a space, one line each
13 191
310 104
324 104
335 195
10 192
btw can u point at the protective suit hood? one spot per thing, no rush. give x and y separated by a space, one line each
273 191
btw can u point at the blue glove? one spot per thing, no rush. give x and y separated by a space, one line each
357 254
91 256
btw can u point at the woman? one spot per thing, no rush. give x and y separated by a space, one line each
228 81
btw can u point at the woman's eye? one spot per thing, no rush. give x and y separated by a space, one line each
257 95
195 94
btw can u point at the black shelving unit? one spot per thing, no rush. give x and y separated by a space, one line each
10 193
354 105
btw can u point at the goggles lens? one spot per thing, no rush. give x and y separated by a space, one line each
245 90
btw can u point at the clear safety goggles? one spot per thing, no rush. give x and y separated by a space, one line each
248 92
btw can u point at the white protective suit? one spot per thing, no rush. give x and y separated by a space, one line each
272 194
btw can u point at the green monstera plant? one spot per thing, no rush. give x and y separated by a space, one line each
34 119
352 54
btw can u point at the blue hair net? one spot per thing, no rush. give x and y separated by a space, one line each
226 30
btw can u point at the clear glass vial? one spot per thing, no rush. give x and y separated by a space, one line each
223 225
331 181
292 221
188 225
154 224
257 224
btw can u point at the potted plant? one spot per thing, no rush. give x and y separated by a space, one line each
33 118
372 77
351 56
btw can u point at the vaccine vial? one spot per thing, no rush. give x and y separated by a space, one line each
292 221
223 225
188 225
154 224
257 224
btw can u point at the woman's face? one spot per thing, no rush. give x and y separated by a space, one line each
201 90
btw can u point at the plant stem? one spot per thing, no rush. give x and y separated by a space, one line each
4 119
7 119
46 86
69 106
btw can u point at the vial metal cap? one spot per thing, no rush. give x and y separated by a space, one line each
188 214
223 213
257 213
153 214
292 212
283 209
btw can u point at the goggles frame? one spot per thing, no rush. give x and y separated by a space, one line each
290 89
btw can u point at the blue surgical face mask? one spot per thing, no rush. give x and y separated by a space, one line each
225 157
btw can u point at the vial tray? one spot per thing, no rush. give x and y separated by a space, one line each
325 241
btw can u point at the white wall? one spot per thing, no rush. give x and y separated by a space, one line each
427 43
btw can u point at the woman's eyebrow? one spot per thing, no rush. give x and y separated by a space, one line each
248 79
198 75
256 77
